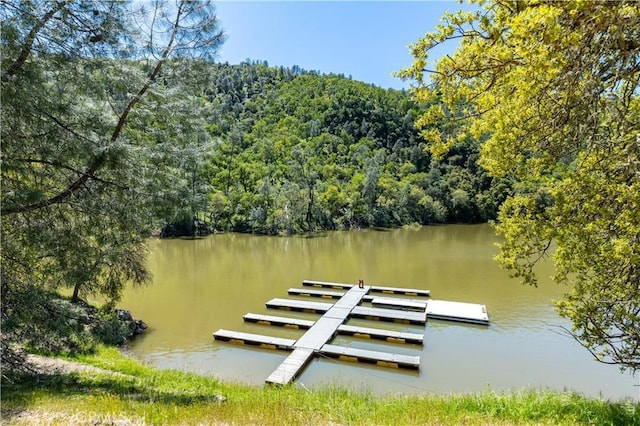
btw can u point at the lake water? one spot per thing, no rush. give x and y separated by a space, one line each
206 284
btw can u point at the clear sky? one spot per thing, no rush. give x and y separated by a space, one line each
365 39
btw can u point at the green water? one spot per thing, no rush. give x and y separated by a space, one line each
206 284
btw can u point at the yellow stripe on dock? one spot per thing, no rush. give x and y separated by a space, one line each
362 335
348 358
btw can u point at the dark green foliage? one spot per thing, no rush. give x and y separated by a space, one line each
300 152
45 322
110 330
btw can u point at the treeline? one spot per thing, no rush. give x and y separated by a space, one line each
296 151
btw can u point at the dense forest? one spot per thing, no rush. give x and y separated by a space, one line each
295 151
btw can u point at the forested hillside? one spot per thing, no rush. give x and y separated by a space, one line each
296 151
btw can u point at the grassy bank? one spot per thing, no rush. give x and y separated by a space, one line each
144 395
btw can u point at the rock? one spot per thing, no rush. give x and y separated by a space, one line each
141 326
134 326
124 315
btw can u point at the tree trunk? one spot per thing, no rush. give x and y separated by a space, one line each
76 291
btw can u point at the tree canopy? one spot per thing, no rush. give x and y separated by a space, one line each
300 152
552 89
89 106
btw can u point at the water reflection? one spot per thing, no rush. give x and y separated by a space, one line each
210 283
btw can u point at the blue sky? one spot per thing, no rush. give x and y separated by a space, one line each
365 39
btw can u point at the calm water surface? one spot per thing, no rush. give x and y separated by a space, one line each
203 285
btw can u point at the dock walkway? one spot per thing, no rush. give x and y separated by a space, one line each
318 335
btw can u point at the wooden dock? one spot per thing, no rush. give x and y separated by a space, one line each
347 304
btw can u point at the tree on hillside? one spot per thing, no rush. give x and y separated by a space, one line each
90 111
553 87
305 152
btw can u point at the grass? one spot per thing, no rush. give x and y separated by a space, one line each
144 395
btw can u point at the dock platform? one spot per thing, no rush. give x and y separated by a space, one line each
268 342
395 303
343 329
381 334
373 288
372 357
379 314
325 284
458 311
346 303
279 321
403 291
315 293
299 305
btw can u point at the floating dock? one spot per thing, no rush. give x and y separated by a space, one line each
346 303
267 342
395 303
279 321
392 315
316 293
317 336
299 305
372 357
435 309
381 334
457 311
403 291
325 284
373 289
343 329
